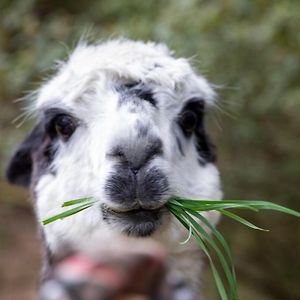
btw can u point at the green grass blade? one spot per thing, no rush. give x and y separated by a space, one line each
77 201
218 280
201 243
198 205
253 204
193 207
186 210
272 206
241 220
219 237
227 266
214 230
248 204
67 213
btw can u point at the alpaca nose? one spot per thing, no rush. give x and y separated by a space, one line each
138 155
136 179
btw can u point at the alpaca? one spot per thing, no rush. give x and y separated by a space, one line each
122 121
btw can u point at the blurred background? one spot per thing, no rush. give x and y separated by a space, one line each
249 49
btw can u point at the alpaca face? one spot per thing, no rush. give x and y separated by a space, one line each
122 122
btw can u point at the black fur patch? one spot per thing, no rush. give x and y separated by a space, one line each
179 146
153 186
146 189
36 152
204 146
130 92
145 94
121 187
32 158
20 167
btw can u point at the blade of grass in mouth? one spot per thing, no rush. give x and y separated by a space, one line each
86 204
187 211
192 208
203 205
204 248
77 201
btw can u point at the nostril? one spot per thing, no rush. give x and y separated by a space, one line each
134 170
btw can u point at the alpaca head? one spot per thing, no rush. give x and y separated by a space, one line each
123 122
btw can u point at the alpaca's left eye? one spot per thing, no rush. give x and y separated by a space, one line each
64 126
188 121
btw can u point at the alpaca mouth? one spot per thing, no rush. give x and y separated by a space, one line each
138 222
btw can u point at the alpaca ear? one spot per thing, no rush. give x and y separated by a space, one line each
19 169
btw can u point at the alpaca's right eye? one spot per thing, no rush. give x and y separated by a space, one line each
64 126
188 121
191 116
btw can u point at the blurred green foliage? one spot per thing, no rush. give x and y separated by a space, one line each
249 49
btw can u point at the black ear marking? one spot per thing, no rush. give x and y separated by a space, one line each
19 169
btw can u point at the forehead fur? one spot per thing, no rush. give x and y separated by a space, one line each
93 67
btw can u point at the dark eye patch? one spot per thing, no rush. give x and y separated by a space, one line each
195 108
191 116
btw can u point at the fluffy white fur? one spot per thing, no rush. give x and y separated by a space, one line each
85 86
